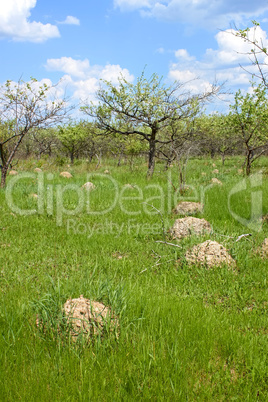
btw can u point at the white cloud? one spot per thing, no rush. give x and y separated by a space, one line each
221 64
84 79
232 49
70 20
15 24
183 54
205 13
68 65
126 5
160 50
192 82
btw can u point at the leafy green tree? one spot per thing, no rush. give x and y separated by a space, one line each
73 138
217 135
144 109
250 122
44 141
24 106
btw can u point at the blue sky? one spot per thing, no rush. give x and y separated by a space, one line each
83 41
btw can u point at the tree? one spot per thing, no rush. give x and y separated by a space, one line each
145 109
250 121
44 141
73 138
258 53
23 107
217 134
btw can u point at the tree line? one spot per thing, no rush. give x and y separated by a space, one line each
147 117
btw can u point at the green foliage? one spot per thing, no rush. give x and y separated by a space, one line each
186 332
73 138
250 121
25 106
145 109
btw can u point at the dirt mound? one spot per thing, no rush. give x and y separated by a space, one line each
209 253
188 208
67 175
38 170
88 186
190 226
13 172
89 317
214 180
33 195
265 247
216 171
106 171
265 218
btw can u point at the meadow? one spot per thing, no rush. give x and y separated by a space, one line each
187 333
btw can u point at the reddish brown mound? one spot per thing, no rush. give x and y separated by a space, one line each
190 226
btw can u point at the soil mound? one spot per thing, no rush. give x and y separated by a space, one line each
190 226
214 180
67 175
88 186
188 208
265 247
33 195
209 253
89 317
13 172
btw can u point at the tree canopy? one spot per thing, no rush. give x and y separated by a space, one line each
145 108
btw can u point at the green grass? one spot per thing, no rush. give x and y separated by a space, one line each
186 332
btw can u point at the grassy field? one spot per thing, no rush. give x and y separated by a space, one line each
187 333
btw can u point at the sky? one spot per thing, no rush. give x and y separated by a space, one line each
80 42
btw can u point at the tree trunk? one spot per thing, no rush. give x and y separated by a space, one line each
9 160
119 159
3 176
249 161
72 157
152 150
212 153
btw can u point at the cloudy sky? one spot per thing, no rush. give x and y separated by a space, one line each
82 41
